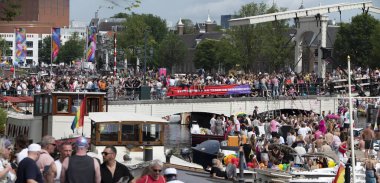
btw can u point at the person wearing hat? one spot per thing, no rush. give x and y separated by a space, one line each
171 175
46 162
28 170
80 167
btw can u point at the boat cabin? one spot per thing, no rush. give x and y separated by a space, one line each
53 114
121 129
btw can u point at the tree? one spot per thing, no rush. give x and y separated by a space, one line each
172 51
357 39
73 49
9 9
188 26
3 120
44 55
206 55
260 42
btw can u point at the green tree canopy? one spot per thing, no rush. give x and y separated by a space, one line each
44 54
73 49
206 55
263 42
172 51
358 39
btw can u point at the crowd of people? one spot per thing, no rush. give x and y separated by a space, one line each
22 162
264 139
127 85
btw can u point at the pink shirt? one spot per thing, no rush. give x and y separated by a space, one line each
44 160
274 126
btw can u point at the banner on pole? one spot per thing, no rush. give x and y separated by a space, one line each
20 46
91 44
56 43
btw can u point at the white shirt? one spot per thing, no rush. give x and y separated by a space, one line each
300 151
303 132
290 140
58 164
9 177
22 154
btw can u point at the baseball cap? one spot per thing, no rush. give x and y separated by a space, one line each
170 171
34 148
81 142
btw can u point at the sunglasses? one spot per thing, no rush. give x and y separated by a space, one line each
156 170
106 153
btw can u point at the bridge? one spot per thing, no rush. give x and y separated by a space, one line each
227 106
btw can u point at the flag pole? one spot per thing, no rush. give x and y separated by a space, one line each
84 111
51 51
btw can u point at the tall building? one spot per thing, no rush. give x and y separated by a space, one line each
39 16
224 21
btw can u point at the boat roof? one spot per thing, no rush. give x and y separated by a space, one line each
101 117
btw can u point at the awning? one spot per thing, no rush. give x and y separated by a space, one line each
24 99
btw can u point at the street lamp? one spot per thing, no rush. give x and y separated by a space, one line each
350 118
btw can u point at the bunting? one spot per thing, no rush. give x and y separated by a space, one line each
55 43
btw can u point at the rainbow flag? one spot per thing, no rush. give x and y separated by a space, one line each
339 178
79 117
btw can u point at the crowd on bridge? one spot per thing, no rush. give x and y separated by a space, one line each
272 142
126 84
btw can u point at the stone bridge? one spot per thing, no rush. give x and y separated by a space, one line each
227 106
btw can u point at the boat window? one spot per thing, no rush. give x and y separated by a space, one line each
36 105
62 105
109 132
75 105
92 105
46 104
151 132
130 132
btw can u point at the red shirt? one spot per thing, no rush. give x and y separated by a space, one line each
149 179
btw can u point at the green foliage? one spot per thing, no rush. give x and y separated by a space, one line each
263 41
44 54
73 49
206 55
359 40
3 120
9 9
188 26
172 51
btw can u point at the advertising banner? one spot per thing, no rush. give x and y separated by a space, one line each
91 44
20 46
174 91
55 43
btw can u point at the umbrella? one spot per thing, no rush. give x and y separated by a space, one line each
240 114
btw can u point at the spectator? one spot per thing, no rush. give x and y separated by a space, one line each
28 170
65 151
111 170
153 173
171 175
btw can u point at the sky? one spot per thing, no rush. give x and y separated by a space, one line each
196 10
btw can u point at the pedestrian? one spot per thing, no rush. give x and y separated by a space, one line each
21 147
7 173
171 175
28 170
46 162
111 170
80 167
368 135
65 150
154 173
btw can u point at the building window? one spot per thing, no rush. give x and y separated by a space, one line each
29 53
29 61
8 53
29 44
10 43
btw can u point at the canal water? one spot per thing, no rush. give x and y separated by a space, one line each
177 137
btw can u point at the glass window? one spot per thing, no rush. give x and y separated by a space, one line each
29 44
130 132
29 53
46 104
10 43
92 105
62 105
36 104
151 132
8 53
108 132
75 104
